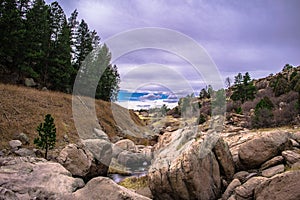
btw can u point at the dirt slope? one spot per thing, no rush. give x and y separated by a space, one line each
22 109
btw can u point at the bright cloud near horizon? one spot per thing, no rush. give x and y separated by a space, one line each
258 36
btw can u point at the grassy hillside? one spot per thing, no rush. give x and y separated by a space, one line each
22 109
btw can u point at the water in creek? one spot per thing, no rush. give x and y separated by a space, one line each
118 177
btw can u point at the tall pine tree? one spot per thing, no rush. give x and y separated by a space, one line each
38 35
60 50
11 37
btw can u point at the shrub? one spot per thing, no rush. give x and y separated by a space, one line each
239 110
286 115
264 103
280 85
201 119
263 114
263 118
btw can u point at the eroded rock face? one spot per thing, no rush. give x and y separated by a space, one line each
77 160
291 157
246 191
283 186
186 168
257 151
102 153
224 158
131 160
35 178
106 189
230 189
127 145
273 171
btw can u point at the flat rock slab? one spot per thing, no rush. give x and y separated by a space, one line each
273 171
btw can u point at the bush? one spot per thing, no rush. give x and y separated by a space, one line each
280 85
286 115
264 103
263 118
263 114
201 119
239 110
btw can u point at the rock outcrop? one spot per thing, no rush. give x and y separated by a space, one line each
78 160
257 151
202 166
106 189
102 154
35 178
186 168
283 186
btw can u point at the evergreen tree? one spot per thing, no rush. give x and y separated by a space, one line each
108 86
60 57
11 36
47 135
243 89
38 35
280 85
228 82
83 43
203 94
263 113
98 63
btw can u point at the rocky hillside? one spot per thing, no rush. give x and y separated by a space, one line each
272 101
23 108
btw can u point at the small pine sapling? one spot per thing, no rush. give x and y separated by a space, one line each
47 135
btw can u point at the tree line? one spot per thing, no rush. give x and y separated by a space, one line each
39 41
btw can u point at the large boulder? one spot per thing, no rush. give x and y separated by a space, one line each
35 178
260 149
23 138
102 153
106 189
186 168
15 144
123 145
127 145
282 186
29 82
131 160
78 160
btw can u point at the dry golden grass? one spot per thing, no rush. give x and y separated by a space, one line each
135 182
22 109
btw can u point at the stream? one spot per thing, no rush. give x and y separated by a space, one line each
119 177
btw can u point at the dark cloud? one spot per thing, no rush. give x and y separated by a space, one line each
255 36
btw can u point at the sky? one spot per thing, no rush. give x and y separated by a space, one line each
257 36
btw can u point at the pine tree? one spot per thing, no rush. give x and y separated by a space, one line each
60 56
11 36
243 89
47 135
38 35
83 44
108 86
